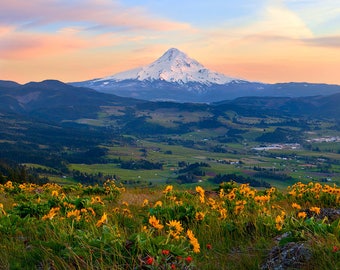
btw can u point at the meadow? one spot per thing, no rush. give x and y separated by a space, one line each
169 227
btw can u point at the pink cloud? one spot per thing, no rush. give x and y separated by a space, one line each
33 45
39 27
103 13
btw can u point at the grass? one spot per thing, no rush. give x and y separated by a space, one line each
168 227
156 176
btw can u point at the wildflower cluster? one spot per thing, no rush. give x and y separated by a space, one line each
325 195
89 226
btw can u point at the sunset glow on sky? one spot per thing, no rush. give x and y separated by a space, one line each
258 40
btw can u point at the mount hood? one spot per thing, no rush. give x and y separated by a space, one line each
176 77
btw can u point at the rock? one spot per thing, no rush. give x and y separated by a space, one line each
290 256
331 214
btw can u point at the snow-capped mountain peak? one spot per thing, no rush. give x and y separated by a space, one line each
173 66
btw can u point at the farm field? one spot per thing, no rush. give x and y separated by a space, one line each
296 164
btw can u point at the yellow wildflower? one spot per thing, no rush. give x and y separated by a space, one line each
168 189
296 206
283 214
69 205
55 193
200 190
202 199
293 193
241 202
251 194
223 213
96 199
62 196
2 209
193 241
51 214
145 229
8 185
179 202
231 196
75 214
175 228
261 199
212 203
279 222
127 212
173 198
221 193
302 215
199 216
145 202
116 210
265 211
102 220
238 209
90 209
271 190
154 222
315 209
158 203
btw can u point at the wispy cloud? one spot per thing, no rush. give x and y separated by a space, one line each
103 13
33 45
81 39
36 28
330 41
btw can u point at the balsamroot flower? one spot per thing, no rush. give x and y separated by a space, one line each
51 214
193 241
2 209
302 215
199 216
296 206
96 199
158 204
279 220
75 214
102 220
315 209
145 202
201 192
154 222
168 189
175 228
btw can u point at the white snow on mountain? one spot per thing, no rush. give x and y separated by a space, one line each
172 66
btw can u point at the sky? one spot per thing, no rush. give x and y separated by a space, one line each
259 40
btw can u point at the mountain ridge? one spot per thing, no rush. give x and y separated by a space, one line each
58 101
